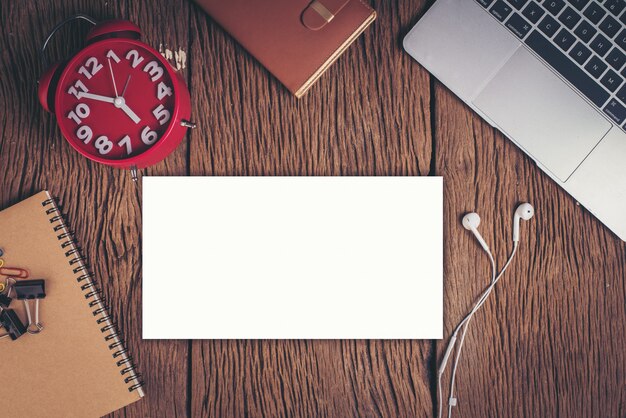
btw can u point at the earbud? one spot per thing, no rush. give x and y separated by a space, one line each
471 222
524 211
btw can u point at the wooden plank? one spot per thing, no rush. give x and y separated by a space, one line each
102 204
164 364
369 115
547 343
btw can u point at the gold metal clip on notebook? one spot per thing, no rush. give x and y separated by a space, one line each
321 12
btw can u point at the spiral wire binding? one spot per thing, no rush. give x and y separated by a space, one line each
98 301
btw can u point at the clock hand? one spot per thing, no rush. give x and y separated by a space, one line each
121 103
117 102
112 77
128 111
126 85
96 97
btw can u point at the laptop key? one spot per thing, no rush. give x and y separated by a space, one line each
585 31
564 39
554 6
485 3
615 6
549 26
533 12
580 53
596 66
601 45
501 10
518 25
518 4
615 111
569 18
611 80
567 68
579 4
594 13
616 59
610 26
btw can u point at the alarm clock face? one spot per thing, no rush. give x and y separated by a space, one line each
116 100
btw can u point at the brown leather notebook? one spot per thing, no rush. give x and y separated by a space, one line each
296 40
77 365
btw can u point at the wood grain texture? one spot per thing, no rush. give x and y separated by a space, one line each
549 343
369 115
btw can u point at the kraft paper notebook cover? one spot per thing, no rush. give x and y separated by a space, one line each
70 369
296 40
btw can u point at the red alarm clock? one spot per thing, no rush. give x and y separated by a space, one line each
118 101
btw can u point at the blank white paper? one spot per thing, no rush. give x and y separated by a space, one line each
292 257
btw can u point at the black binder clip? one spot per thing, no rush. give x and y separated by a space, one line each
27 290
12 323
5 298
5 301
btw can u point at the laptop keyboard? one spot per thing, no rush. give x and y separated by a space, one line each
583 40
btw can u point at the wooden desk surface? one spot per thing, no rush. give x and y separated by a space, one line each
550 343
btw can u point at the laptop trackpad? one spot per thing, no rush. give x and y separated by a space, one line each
544 116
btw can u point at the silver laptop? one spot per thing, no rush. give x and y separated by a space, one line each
550 75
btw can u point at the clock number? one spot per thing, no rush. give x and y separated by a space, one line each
78 86
95 67
148 137
113 56
154 70
161 114
84 133
134 56
126 141
103 145
163 90
80 113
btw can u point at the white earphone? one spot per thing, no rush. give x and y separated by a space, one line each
471 221
524 211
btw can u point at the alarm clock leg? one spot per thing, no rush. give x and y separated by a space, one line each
187 124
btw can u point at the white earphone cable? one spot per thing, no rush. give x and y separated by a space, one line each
468 320
465 324
452 343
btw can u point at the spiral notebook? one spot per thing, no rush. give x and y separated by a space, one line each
77 366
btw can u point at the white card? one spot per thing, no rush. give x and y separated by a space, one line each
292 257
